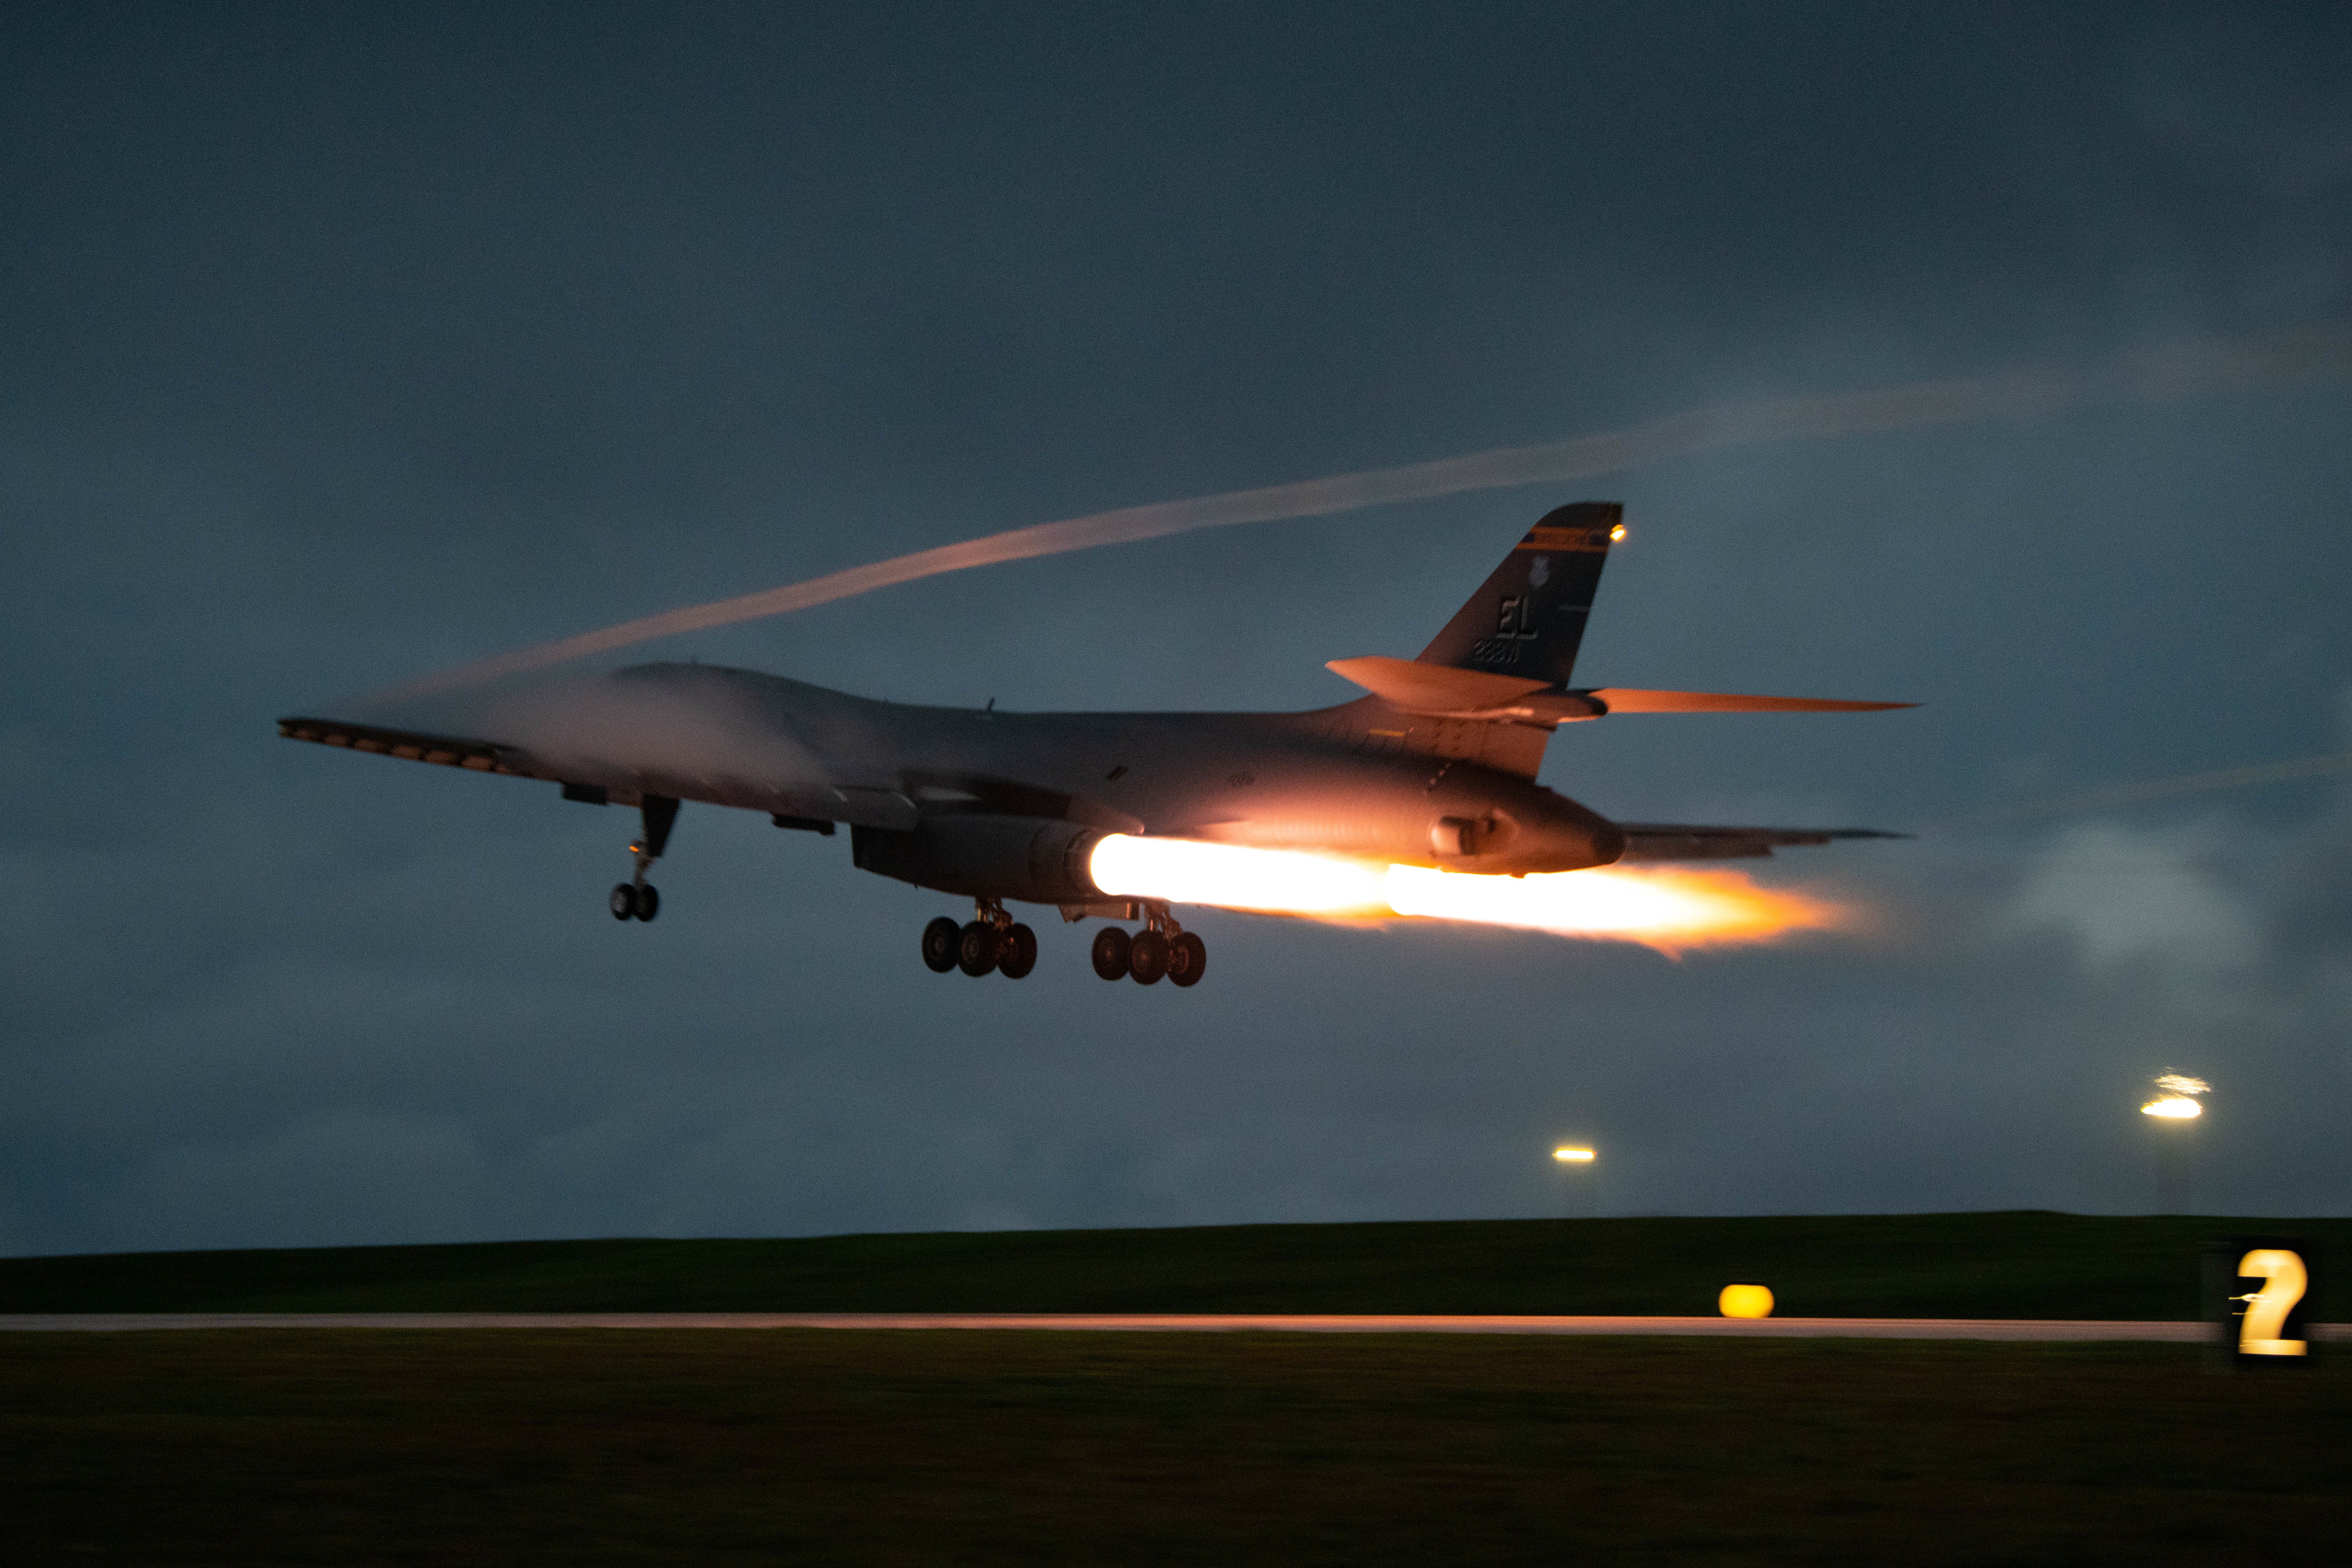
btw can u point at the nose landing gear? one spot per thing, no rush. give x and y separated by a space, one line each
638 898
636 901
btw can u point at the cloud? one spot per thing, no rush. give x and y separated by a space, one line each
2133 896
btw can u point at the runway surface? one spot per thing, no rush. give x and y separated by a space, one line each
1158 1323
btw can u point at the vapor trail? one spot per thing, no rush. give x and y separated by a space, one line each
2113 796
2177 370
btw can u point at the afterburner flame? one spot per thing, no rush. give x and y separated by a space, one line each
1187 871
1670 909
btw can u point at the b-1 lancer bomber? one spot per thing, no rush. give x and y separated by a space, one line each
1435 767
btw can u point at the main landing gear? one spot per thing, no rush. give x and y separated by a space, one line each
638 900
1161 949
993 941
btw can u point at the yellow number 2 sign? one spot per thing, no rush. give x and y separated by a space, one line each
2262 1331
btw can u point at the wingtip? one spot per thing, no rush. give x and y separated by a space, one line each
1638 700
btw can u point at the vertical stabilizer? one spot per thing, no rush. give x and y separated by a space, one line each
1528 618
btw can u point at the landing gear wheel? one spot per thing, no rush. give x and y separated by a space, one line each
941 945
624 903
976 948
1147 957
1110 952
1016 953
1188 955
649 901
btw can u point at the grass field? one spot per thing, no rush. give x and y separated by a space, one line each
596 1446
2015 1265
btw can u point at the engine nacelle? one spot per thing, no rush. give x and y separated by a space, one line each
1036 859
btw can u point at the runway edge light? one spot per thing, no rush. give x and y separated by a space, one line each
2177 1097
1745 1302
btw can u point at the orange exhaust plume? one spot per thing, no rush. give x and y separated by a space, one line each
1673 910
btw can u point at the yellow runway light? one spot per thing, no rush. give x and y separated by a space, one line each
2262 1329
1745 1302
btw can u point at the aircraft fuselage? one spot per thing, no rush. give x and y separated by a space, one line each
1361 779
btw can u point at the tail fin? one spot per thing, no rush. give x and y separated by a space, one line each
1506 656
1527 620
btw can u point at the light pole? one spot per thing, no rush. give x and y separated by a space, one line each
2172 1116
1574 1157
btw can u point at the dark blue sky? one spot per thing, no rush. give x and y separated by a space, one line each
337 347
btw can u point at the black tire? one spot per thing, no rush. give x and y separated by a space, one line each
1188 955
623 902
649 901
1146 958
942 941
976 948
1110 952
1017 954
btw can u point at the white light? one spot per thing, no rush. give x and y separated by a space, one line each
1568 1156
2178 1100
1186 871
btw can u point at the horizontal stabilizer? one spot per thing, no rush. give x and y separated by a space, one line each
1433 688
1628 700
1419 688
1684 841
